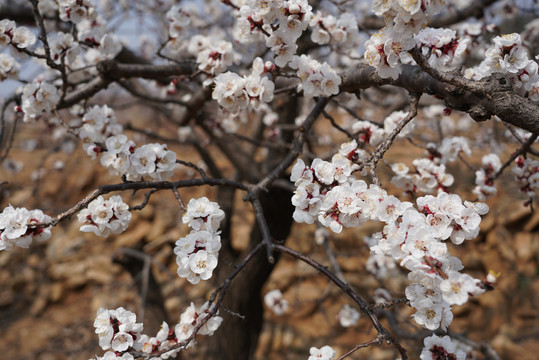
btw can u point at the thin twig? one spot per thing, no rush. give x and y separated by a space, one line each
297 145
523 149
193 166
363 305
378 340
333 260
266 235
519 139
144 202
337 126
386 144
388 304
11 135
179 199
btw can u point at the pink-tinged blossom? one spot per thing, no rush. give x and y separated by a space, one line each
324 353
16 230
386 50
117 329
203 214
63 45
368 132
441 348
527 175
105 217
316 79
275 301
6 31
484 178
442 47
37 98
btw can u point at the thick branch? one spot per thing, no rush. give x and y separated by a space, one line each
116 70
84 92
497 99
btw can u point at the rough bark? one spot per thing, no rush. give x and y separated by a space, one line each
495 98
237 337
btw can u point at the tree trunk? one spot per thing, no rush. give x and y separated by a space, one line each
237 337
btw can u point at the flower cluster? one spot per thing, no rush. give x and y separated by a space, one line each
16 229
368 133
197 253
324 353
393 120
20 37
117 329
430 172
315 79
235 93
387 49
148 162
63 45
342 31
441 348
417 239
105 217
315 182
484 177
527 174
104 44
508 56
275 301
189 319
99 123
38 97
429 176
442 47
450 149
213 55
328 192
292 17
101 134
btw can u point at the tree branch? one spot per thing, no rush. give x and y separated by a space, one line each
363 305
496 98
